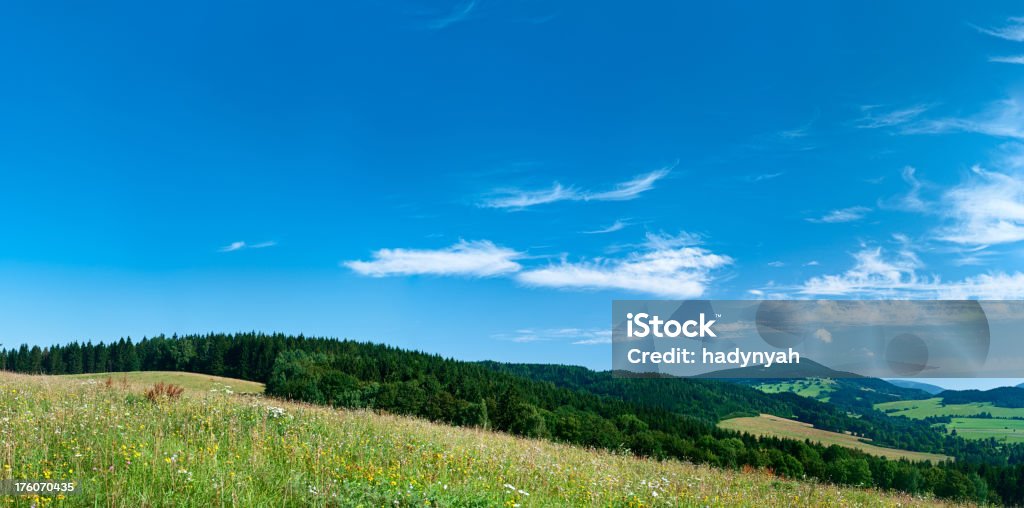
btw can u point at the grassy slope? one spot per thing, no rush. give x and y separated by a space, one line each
769 425
214 449
999 426
1011 431
934 407
187 380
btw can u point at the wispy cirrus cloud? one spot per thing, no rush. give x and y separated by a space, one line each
668 266
517 199
630 189
575 336
459 13
1001 119
466 258
1015 59
911 201
442 15
618 225
1013 31
850 214
240 245
875 117
987 209
762 177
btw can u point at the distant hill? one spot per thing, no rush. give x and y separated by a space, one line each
930 388
805 369
848 391
1006 396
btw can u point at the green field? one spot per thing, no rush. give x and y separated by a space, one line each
187 380
811 388
933 407
770 425
215 448
1010 431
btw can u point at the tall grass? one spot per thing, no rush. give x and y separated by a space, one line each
223 449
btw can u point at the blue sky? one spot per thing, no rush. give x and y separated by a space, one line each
480 179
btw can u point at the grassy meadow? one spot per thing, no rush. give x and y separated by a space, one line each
812 388
187 380
217 447
1011 431
934 407
769 425
1003 426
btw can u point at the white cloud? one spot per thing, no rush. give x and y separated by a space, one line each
1016 59
666 268
515 199
472 259
518 200
911 201
987 209
989 286
851 214
1003 119
872 274
592 342
876 276
1014 31
616 226
236 246
662 241
233 246
875 119
761 177
823 335
631 189
577 336
776 264
459 13
813 262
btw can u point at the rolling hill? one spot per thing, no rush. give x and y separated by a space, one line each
843 389
989 415
216 448
926 387
660 418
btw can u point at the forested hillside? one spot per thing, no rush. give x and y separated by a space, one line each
719 400
590 408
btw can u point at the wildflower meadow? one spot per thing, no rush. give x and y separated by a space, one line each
216 447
